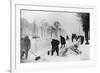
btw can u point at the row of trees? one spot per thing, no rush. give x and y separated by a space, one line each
56 29
51 29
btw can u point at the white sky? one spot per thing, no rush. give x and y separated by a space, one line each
69 21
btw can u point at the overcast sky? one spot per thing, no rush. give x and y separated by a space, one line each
68 20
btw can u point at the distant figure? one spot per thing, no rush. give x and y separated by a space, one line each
63 41
55 46
74 36
67 37
81 39
48 52
25 46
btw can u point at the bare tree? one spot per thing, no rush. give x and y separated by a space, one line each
51 30
25 27
57 27
35 30
44 28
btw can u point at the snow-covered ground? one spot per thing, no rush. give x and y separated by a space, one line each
40 48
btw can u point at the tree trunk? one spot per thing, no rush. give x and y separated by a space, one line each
86 38
51 34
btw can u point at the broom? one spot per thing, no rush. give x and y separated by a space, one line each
37 57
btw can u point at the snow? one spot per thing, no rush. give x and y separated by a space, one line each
40 47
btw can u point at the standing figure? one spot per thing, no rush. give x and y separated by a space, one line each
55 46
67 37
74 36
63 41
81 39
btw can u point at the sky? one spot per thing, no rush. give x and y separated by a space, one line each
68 20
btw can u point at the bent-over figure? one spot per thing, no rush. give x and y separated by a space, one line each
55 46
25 46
